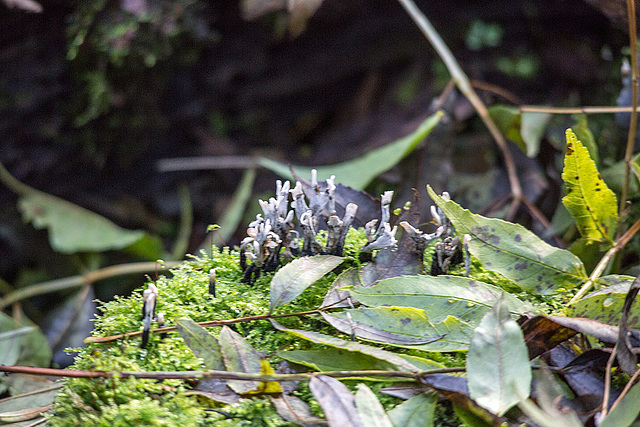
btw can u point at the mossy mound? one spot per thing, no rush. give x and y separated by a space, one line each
117 401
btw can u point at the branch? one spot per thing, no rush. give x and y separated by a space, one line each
80 280
209 323
223 375
628 155
463 83
599 269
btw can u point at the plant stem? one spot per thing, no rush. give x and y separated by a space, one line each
604 261
628 155
204 324
78 281
225 375
463 83
576 110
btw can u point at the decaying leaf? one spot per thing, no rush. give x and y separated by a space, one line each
239 356
296 410
336 401
627 360
202 343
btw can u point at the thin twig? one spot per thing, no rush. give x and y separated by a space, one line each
628 155
224 375
574 110
607 383
604 261
626 389
210 162
463 83
80 280
209 323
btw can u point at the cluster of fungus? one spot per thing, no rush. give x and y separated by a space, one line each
273 233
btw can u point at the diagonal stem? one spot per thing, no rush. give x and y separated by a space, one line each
463 83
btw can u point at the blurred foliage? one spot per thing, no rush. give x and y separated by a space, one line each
120 55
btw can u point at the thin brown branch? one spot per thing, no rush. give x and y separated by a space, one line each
574 110
604 261
80 280
628 155
209 323
462 81
224 375
496 90
607 383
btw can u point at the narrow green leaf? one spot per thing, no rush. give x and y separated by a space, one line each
370 409
202 343
514 251
359 172
292 279
239 356
626 412
318 338
591 203
336 401
404 327
498 370
532 129
415 412
605 305
440 296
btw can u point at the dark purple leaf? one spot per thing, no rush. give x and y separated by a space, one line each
627 360
336 401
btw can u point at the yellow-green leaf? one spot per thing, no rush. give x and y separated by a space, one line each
591 203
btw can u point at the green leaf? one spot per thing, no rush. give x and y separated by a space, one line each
336 401
34 349
318 338
27 405
370 409
335 359
202 343
439 296
71 228
239 356
532 129
359 172
514 251
292 279
404 327
605 305
415 412
591 203
626 412
10 342
498 371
